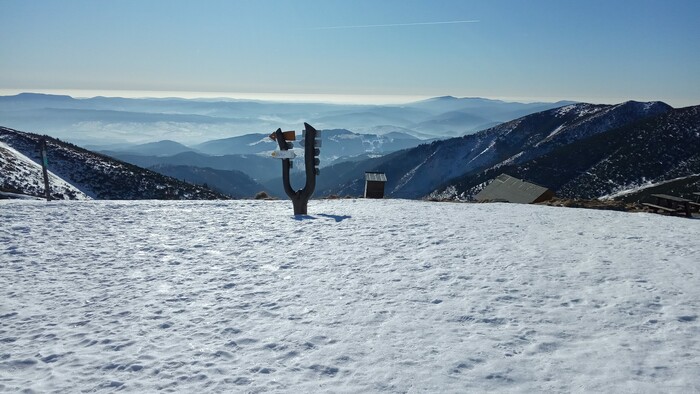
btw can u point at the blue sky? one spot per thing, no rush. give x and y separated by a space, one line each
594 50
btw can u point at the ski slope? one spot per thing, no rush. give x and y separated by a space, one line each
360 296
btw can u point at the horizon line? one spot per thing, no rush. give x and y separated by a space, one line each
319 98
329 98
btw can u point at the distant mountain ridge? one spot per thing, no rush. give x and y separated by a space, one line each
159 148
103 120
92 174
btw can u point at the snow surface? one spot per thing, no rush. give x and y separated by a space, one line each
360 296
18 196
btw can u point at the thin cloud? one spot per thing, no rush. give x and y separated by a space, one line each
391 25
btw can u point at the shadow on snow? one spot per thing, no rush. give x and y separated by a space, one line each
337 218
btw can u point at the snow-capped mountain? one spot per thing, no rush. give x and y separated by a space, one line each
78 173
417 172
337 143
518 141
617 162
341 143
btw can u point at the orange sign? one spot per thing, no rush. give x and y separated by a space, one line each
288 136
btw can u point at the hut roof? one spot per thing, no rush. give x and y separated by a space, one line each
375 176
510 189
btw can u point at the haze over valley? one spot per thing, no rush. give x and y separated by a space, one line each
113 122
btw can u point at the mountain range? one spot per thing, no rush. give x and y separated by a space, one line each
250 153
109 121
655 154
337 143
578 150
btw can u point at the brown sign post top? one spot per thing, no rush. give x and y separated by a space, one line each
288 136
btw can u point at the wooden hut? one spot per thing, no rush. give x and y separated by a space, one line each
374 184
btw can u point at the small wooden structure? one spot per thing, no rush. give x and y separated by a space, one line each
670 204
696 205
506 188
374 184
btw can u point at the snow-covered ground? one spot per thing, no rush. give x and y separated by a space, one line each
360 296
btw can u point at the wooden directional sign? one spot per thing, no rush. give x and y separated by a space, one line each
288 136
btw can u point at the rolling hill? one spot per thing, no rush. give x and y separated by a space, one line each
229 182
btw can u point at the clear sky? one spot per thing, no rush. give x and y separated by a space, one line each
593 50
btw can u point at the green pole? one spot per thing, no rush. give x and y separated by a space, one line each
45 168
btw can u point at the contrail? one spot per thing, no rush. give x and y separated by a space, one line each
390 25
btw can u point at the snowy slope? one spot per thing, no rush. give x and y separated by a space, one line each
418 172
361 296
99 176
19 173
644 154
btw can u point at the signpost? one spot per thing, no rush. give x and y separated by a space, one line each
288 135
45 168
312 142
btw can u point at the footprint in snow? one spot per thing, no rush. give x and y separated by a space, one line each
324 370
